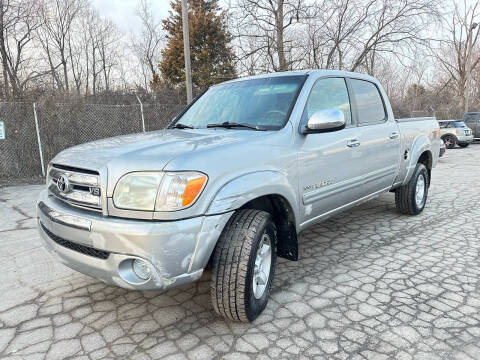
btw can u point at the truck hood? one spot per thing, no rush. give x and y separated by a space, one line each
147 151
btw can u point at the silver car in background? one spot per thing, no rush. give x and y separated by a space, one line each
455 132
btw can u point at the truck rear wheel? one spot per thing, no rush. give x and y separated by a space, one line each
411 198
244 265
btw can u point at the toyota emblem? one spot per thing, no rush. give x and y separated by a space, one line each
63 184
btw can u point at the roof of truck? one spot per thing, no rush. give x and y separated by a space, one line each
304 72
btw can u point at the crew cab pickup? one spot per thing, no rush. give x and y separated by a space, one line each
231 182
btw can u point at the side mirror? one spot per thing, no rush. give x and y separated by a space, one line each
325 121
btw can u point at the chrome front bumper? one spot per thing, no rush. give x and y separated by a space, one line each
176 251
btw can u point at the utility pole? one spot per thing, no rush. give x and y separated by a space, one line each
469 66
186 49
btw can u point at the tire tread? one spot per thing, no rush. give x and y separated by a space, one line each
230 264
405 195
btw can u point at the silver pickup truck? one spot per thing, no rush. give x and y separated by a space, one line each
231 182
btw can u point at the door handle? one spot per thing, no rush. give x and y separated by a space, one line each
353 143
394 135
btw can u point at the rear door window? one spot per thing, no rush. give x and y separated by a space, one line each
369 102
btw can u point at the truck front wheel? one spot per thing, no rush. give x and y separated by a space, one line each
410 198
244 265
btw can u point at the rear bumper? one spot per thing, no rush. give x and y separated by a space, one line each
464 138
98 246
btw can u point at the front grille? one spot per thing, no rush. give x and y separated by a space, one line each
78 187
86 250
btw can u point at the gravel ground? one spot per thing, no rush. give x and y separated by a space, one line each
370 283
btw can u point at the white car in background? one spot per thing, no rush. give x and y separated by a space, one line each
455 132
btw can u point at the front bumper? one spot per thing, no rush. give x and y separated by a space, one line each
101 247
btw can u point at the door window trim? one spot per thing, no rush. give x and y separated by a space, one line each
304 119
355 104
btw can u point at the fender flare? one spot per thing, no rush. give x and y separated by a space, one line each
239 191
421 144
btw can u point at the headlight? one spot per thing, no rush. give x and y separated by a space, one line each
137 191
158 191
179 190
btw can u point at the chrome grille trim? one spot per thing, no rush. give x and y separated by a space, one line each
76 178
84 188
77 196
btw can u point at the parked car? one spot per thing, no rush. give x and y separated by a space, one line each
472 120
231 182
455 132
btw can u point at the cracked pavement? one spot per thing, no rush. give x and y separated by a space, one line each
370 284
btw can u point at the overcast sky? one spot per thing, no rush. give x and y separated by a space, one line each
122 12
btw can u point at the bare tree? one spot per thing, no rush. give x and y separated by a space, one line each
453 52
342 34
92 48
77 44
355 33
393 24
268 23
18 21
148 43
107 49
59 19
315 42
343 29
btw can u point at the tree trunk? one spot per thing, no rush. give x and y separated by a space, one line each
94 71
105 76
52 67
87 73
65 73
3 51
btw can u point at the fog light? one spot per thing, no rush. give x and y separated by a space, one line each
141 269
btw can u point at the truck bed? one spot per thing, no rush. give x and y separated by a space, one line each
416 133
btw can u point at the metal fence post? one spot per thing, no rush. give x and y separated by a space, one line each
38 140
141 112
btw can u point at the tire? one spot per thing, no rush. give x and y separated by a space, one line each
463 145
406 196
449 141
234 265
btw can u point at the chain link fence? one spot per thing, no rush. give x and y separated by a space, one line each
62 125
67 124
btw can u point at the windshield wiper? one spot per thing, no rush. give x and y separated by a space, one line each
229 125
182 126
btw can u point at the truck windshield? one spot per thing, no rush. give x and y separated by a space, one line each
459 124
263 104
